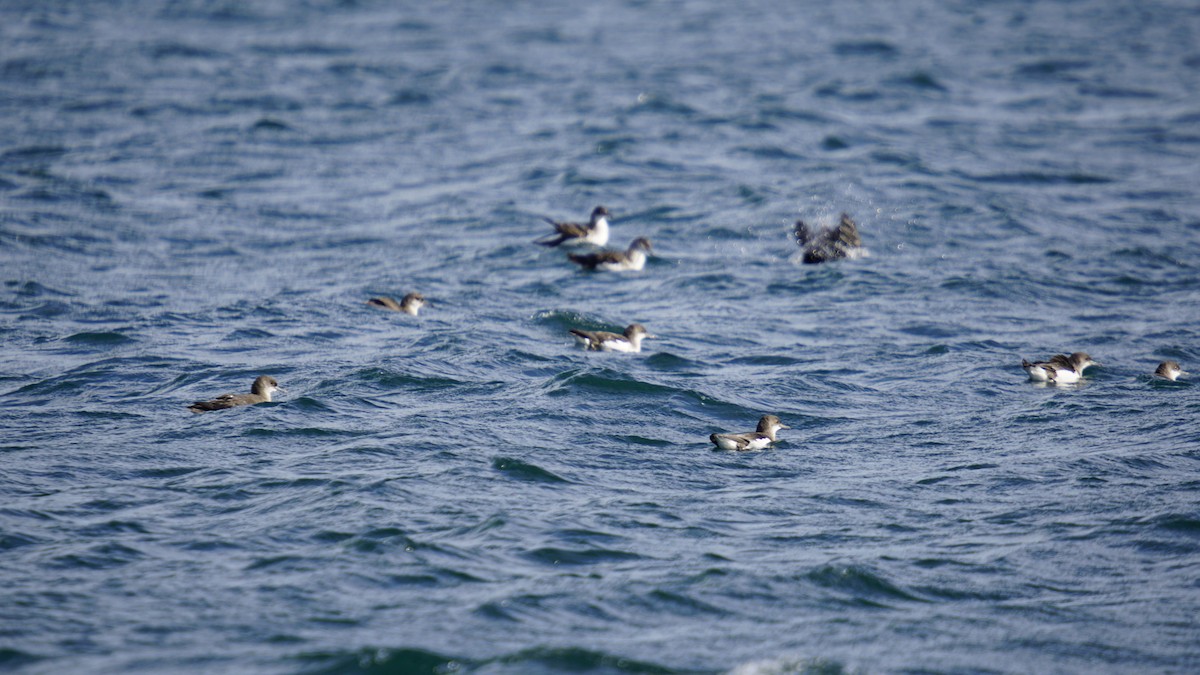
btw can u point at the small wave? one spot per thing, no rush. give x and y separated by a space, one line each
15 658
166 472
508 609
99 339
931 330
918 80
574 178
392 380
550 555
32 289
1041 178
249 334
1184 524
287 562
524 471
1118 92
32 152
881 48
574 660
607 381
832 142
296 432
11 540
770 152
179 50
409 661
368 661
681 604
1159 547
383 539
862 585
302 48
842 91
654 103
784 114
309 404
614 144
948 594
270 124
649 442
665 361
102 557
565 319
791 666
112 527
764 360
1051 67
410 97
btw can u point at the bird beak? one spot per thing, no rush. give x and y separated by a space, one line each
783 426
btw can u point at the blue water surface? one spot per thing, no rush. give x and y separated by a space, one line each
197 192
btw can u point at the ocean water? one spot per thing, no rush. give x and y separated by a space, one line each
195 193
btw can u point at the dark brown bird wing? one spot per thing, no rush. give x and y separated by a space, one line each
846 233
591 260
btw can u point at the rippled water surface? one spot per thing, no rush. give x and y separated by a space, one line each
195 193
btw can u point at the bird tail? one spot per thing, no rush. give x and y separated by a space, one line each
583 337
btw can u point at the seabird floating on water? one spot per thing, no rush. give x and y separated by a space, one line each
753 440
604 341
829 244
595 231
260 392
1059 369
409 304
1170 370
616 261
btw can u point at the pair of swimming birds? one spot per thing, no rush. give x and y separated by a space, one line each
1061 369
595 233
265 385
819 245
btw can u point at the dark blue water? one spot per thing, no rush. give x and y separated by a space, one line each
195 193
